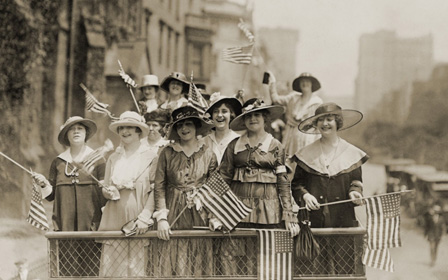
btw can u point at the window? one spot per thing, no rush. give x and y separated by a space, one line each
168 49
161 27
196 60
176 51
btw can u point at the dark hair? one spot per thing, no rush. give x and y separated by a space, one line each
337 118
232 111
265 113
197 123
85 127
137 129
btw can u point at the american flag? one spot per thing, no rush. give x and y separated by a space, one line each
383 230
217 197
239 55
88 164
36 215
93 105
196 100
242 25
275 254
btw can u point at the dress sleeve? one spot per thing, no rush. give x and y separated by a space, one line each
356 180
283 185
52 179
227 164
298 184
277 99
160 181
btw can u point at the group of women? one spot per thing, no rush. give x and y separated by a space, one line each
151 179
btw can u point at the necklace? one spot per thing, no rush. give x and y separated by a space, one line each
327 159
71 173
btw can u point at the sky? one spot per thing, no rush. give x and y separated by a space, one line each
329 31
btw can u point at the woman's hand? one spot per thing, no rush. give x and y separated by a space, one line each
40 179
163 229
293 228
311 202
214 224
142 227
356 196
111 193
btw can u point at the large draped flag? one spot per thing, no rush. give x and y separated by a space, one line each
36 215
276 260
383 230
93 105
217 198
196 100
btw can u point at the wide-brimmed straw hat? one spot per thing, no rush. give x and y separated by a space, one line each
149 81
315 84
175 76
349 117
89 124
185 113
130 118
252 105
216 99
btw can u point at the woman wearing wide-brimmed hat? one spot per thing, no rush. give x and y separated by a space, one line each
223 109
149 89
77 197
130 197
299 105
183 166
177 87
329 169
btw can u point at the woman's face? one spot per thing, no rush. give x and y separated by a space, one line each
186 130
76 134
327 125
254 121
221 116
175 88
154 130
149 92
128 134
306 85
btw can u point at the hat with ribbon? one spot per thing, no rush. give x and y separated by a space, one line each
89 124
315 84
149 81
130 118
253 105
349 117
158 115
216 100
178 77
186 113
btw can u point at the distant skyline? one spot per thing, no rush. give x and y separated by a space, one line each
329 32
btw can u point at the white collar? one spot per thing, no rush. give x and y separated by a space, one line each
230 135
243 140
67 156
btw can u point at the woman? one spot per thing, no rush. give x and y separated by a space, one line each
254 167
156 121
298 107
183 166
223 110
130 198
177 87
77 196
149 89
329 169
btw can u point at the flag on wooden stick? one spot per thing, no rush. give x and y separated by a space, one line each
217 198
275 254
93 105
238 55
88 164
36 215
196 100
383 230
242 25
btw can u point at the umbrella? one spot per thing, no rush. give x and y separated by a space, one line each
307 247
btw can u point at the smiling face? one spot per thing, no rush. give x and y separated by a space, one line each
129 134
175 88
154 130
254 121
149 92
186 130
76 134
327 125
221 116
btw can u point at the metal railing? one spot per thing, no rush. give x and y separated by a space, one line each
194 254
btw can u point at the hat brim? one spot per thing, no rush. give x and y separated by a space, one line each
350 118
315 84
203 130
234 103
114 126
142 86
89 124
166 83
275 112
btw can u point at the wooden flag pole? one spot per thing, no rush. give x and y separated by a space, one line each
130 89
350 200
16 163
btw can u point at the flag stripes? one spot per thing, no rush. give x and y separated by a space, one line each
275 254
217 197
239 55
93 105
196 100
380 259
246 31
36 214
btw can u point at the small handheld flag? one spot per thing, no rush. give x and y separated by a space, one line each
238 55
195 98
93 105
36 215
130 83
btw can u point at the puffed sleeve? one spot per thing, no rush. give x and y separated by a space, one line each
283 185
160 186
227 166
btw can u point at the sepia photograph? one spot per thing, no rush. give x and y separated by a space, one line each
223 139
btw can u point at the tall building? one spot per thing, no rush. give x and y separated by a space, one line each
388 63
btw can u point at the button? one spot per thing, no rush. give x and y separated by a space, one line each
73 181
76 174
321 197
